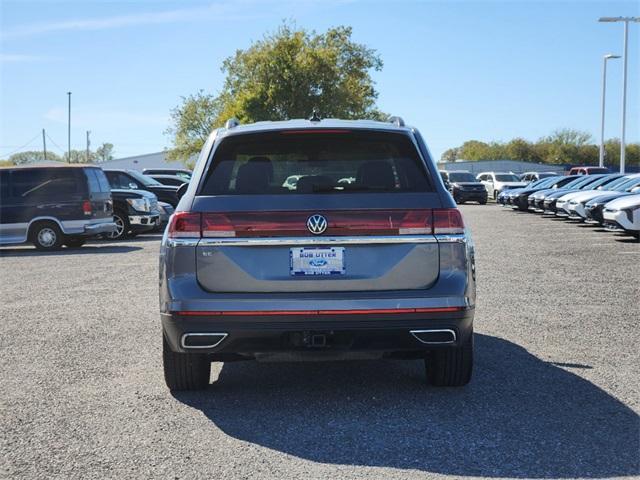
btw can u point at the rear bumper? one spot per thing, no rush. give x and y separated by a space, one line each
249 336
98 228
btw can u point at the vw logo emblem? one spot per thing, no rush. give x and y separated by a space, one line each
317 224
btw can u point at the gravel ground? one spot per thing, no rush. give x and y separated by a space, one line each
555 391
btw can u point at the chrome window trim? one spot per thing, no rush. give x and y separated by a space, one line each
271 241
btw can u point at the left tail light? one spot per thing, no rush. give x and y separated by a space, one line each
184 225
86 208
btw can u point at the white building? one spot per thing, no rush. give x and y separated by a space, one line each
140 162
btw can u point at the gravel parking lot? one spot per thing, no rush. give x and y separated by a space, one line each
555 391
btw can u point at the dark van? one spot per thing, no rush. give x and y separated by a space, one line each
51 206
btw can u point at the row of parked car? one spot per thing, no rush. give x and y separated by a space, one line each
52 206
611 200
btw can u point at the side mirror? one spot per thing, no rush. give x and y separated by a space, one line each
635 189
182 189
133 186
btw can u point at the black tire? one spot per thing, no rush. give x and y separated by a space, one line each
122 222
451 366
46 236
495 194
185 371
482 202
74 242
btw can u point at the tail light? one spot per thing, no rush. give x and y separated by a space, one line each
339 223
184 224
447 221
86 208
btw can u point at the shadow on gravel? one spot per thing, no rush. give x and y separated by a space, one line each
519 417
91 249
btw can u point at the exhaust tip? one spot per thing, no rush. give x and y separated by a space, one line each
202 340
435 336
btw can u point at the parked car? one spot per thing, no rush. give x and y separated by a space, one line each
134 212
593 208
575 204
550 197
464 186
600 181
536 199
588 170
382 267
54 205
134 180
623 214
165 211
518 198
496 182
173 180
535 176
178 172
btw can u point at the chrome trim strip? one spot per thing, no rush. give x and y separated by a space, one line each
182 242
452 238
268 241
452 332
213 345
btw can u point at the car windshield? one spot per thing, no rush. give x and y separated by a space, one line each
589 182
604 181
143 179
261 163
461 177
507 177
545 182
579 182
626 184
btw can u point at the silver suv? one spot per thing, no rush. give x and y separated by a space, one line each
381 267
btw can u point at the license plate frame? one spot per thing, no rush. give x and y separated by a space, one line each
317 261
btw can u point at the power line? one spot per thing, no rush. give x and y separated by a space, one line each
56 145
25 145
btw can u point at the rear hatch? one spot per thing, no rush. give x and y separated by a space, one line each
361 217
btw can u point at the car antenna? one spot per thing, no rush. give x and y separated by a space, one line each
315 116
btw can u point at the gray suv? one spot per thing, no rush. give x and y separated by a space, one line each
381 267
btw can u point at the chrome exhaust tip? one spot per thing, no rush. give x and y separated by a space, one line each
202 340
435 337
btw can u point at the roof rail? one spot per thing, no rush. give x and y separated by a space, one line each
398 121
231 123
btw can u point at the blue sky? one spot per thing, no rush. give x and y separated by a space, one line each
456 70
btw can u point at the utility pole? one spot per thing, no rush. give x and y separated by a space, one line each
69 131
88 143
609 56
44 145
626 21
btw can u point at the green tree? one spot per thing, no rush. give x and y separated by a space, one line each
285 75
450 155
31 156
104 153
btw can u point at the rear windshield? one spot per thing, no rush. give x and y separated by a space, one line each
314 161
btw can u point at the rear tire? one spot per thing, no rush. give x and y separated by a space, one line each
185 371
46 236
451 366
482 202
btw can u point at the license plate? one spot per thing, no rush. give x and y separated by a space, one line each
316 261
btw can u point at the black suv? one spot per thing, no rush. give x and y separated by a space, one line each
133 180
464 186
54 205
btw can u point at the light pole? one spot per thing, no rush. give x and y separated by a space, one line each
626 21
609 56
69 130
